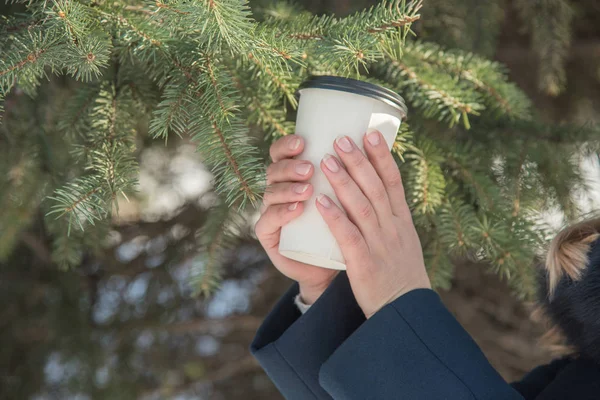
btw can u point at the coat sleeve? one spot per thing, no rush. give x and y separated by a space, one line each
413 348
539 378
292 347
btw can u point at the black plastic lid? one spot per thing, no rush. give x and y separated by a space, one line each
358 87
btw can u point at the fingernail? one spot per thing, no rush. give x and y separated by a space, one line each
324 201
373 138
293 206
298 188
294 143
303 169
331 163
344 144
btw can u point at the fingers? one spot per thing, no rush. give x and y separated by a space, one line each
269 225
348 236
287 170
387 169
365 176
287 192
358 207
286 147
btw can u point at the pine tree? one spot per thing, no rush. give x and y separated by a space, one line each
83 82
474 26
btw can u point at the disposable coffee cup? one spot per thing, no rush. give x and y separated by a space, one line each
329 107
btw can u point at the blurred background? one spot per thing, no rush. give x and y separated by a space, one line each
125 324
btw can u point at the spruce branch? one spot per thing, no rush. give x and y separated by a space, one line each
73 18
347 45
13 25
474 177
425 178
171 114
439 266
454 223
279 80
403 140
219 134
31 58
272 120
264 109
80 200
549 24
75 118
428 90
387 15
488 77
219 90
87 59
108 161
219 234
248 183
216 23
511 260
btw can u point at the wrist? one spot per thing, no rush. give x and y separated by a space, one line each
309 294
424 284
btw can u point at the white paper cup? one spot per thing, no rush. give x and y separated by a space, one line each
330 107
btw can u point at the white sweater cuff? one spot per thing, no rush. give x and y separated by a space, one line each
301 306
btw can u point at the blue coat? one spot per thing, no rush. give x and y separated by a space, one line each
413 348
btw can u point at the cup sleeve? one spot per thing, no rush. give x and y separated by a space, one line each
291 347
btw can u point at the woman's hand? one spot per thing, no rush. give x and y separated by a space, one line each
287 189
377 237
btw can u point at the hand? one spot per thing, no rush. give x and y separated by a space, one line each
377 237
287 189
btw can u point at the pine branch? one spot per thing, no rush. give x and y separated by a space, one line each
488 77
454 225
439 266
428 90
73 18
107 156
280 81
218 137
172 113
472 175
249 193
31 58
386 16
273 121
81 200
549 23
402 142
511 260
425 178
347 45
220 23
88 59
75 118
265 111
219 235
17 24
219 88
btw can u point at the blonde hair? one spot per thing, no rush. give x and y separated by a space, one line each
568 252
